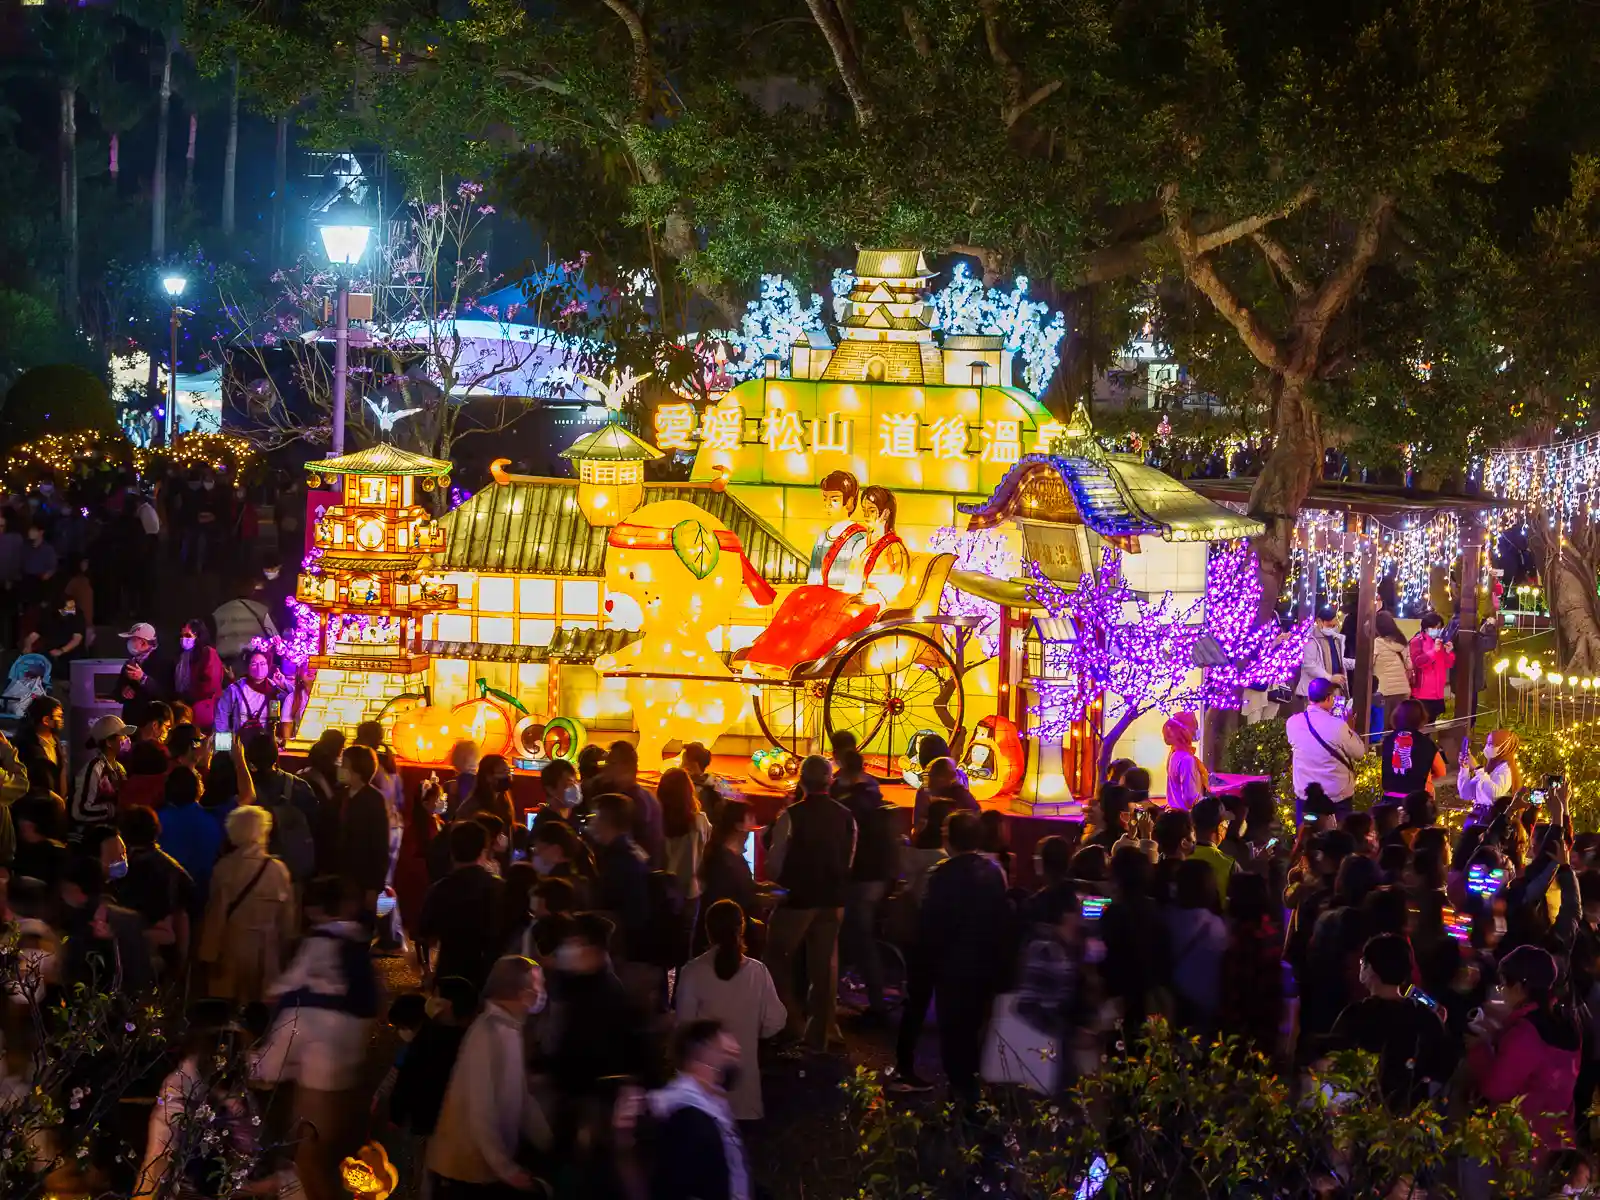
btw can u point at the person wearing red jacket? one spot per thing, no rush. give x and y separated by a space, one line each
197 673
1432 658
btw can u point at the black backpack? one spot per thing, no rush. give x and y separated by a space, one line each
666 938
291 838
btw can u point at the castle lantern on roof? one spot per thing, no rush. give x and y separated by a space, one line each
887 333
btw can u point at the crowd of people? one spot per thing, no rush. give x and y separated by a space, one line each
562 945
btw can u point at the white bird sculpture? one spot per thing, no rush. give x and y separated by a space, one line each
615 390
386 416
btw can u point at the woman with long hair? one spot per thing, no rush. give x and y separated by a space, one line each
725 985
685 827
491 792
1391 664
1498 776
197 672
886 562
322 765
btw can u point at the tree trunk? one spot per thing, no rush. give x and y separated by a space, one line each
280 180
230 156
68 147
1575 607
1108 744
158 179
1290 472
188 162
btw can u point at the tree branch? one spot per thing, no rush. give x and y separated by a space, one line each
1039 95
641 55
1337 290
1246 226
831 23
1281 260
916 32
1201 272
1010 73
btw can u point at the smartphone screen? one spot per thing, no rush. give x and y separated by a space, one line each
1536 799
529 818
222 740
750 850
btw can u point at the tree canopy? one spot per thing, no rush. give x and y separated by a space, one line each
1349 213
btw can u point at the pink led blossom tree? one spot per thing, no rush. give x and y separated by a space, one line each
1139 651
1143 652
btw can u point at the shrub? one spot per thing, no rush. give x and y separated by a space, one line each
1183 1121
1262 749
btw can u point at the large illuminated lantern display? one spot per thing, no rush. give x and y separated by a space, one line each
860 547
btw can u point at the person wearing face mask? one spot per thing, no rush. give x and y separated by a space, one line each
1497 776
278 586
111 953
139 681
491 792
1415 1055
39 566
251 705
424 820
197 672
698 1150
94 790
489 1110
60 636
1526 1047
559 853
1324 657
559 782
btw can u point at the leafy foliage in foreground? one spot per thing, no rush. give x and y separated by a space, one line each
1184 1121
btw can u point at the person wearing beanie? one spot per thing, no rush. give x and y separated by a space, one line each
1527 1048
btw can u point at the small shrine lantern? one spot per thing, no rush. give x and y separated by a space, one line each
610 464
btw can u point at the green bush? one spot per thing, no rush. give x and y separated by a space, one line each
59 398
1262 749
1183 1121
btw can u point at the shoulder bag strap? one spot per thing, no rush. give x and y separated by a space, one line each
1338 755
233 907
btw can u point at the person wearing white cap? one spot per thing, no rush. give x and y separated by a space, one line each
137 682
94 789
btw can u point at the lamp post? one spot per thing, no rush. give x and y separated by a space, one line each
173 285
345 229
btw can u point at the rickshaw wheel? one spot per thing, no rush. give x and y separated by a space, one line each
890 685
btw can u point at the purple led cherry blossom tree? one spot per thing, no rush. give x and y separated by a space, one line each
1140 654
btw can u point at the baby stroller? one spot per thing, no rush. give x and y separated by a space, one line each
29 677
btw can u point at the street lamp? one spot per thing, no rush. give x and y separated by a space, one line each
345 228
173 285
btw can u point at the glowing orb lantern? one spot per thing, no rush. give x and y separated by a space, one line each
684 569
425 735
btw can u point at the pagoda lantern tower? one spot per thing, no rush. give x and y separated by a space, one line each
887 332
369 586
610 464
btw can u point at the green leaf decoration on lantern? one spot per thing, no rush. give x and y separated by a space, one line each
505 697
696 546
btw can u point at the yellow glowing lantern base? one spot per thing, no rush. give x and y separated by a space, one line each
684 570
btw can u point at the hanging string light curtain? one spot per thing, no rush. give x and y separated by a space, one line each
1557 483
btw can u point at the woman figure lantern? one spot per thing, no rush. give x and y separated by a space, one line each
684 569
819 616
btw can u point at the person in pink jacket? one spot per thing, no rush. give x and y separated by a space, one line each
1432 658
1526 1049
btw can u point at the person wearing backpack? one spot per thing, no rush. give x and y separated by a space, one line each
292 804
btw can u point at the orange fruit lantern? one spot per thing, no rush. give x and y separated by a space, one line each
425 735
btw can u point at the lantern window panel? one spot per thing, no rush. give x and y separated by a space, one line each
499 631
497 594
372 489
454 627
580 597
536 596
536 631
